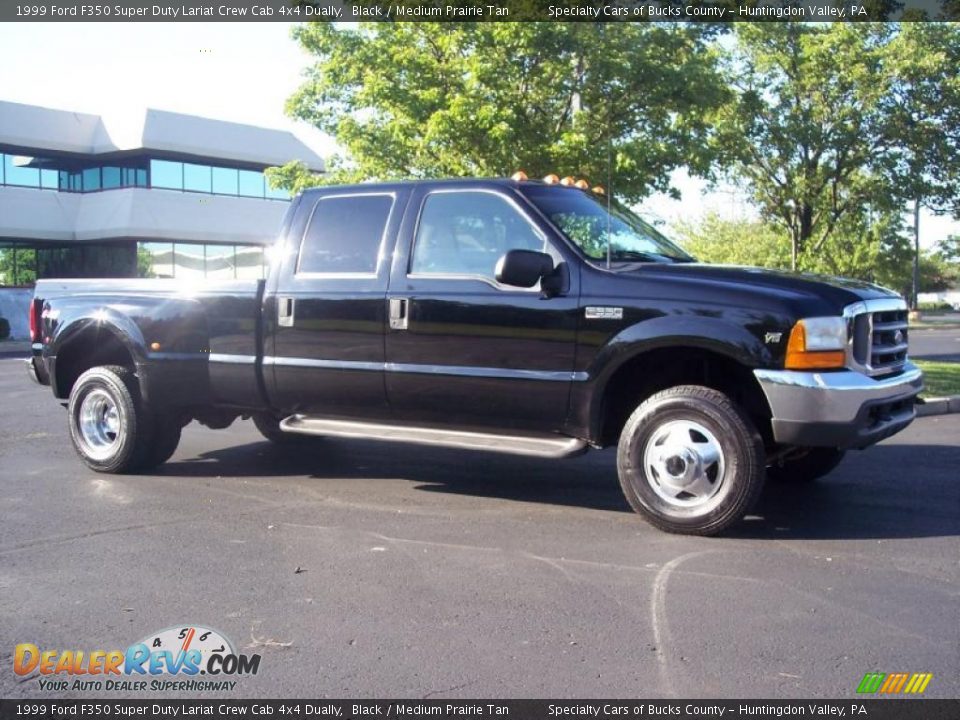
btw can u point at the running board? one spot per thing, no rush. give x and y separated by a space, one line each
545 446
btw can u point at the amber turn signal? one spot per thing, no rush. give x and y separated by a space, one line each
799 358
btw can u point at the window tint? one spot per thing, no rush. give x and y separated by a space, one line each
466 233
345 233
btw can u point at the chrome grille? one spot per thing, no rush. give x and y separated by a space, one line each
879 336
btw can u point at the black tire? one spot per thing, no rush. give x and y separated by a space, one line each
166 438
813 464
714 426
269 427
120 443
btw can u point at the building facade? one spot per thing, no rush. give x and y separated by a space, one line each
153 194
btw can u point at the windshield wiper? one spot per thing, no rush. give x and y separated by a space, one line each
640 256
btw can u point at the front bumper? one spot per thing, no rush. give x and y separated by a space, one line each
844 409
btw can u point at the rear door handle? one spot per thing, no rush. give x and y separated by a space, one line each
285 311
399 313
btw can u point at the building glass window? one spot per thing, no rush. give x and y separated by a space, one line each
250 262
276 193
166 174
226 181
91 179
345 234
48 179
155 260
221 262
188 261
251 183
16 171
112 178
196 178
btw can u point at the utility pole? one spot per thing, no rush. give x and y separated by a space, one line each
914 304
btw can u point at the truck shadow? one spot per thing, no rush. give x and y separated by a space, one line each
889 491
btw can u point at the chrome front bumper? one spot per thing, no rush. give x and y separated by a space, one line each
844 409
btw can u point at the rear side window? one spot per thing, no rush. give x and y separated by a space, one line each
345 234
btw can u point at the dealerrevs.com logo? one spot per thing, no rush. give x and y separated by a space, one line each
184 658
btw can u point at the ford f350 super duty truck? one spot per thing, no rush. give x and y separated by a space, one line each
504 315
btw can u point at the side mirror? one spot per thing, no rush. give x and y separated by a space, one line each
523 268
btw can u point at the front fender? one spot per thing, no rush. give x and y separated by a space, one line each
714 335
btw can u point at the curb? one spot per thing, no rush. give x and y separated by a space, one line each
939 406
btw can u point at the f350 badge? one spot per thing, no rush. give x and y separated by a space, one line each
596 312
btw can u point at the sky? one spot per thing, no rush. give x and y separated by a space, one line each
242 72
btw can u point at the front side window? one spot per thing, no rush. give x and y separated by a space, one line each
345 234
466 233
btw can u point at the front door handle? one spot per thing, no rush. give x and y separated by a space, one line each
399 313
285 311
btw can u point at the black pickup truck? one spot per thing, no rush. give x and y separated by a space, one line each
506 315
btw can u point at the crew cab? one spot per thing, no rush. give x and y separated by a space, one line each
506 315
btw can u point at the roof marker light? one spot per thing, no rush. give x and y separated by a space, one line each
567 181
598 190
551 179
519 176
582 184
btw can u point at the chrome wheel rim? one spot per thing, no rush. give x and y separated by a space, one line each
684 464
99 422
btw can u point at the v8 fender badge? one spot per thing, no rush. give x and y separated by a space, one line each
772 337
594 312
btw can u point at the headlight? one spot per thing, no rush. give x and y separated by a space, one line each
817 344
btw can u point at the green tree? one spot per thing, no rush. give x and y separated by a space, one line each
18 266
411 100
830 121
735 242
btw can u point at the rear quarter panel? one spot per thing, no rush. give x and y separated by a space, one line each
171 329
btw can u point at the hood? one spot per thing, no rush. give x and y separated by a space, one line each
784 285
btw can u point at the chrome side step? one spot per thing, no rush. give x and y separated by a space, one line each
545 446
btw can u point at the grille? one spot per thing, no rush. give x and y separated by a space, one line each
880 340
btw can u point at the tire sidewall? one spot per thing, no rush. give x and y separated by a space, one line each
125 446
738 444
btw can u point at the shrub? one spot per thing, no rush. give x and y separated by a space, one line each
934 306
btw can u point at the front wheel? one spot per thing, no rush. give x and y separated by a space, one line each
690 461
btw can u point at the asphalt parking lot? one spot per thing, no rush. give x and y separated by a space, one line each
435 573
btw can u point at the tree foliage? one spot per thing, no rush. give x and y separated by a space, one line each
873 249
412 100
828 121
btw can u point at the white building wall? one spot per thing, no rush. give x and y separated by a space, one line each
144 213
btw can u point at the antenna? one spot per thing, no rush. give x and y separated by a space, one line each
609 184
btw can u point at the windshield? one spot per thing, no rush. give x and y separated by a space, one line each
583 218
